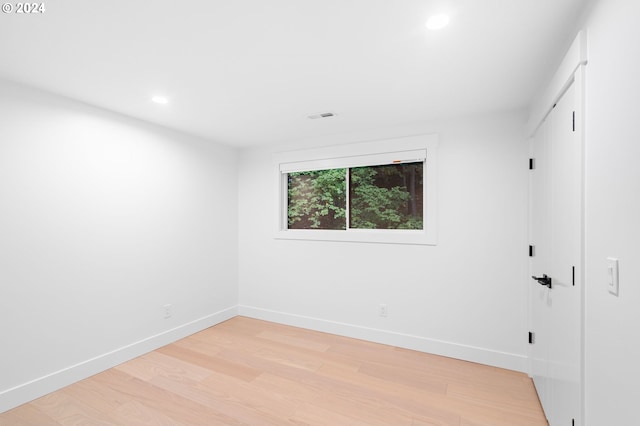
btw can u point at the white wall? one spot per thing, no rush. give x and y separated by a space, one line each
613 213
103 220
464 297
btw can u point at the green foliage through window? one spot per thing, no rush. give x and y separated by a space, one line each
379 197
386 197
317 199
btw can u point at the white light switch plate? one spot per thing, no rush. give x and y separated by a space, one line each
613 283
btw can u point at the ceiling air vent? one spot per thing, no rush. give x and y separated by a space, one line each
322 115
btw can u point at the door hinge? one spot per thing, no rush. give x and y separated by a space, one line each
532 250
574 121
573 275
573 422
532 163
532 338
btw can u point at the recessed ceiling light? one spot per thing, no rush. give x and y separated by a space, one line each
437 22
160 100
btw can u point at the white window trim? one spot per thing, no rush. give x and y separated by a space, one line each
405 149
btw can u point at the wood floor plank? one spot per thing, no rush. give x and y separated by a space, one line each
210 363
429 404
252 397
157 363
67 410
134 413
405 376
120 387
340 401
251 372
220 400
311 414
294 340
26 415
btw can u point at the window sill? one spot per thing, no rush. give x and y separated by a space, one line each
400 236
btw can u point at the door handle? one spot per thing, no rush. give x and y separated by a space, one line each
543 280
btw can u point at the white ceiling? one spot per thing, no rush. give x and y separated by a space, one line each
249 72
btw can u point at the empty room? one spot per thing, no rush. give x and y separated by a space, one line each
347 212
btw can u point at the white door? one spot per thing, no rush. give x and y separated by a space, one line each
540 252
556 290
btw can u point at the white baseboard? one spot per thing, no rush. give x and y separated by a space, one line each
485 356
26 392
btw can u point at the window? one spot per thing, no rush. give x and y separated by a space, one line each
380 191
369 197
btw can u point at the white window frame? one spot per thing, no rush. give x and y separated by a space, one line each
388 151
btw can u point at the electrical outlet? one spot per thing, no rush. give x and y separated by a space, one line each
383 310
167 309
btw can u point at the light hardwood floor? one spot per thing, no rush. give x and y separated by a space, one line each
246 371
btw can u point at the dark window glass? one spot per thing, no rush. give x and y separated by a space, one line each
386 197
